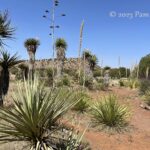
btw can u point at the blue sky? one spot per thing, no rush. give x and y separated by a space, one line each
108 32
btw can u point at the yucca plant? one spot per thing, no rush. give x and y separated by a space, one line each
6 62
109 113
31 44
6 31
61 46
35 113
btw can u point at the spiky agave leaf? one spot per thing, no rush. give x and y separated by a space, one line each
35 111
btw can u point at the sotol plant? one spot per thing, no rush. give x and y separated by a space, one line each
109 113
34 114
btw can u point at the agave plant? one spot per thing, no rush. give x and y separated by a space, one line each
6 31
31 45
109 113
61 47
35 112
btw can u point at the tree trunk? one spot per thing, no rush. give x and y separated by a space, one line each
5 81
60 62
31 64
1 84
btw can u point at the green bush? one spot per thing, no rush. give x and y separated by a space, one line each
65 81
41 72
83 104
70 72
144 86
133 83
97 72
109 113
147 97
121 83
87 81
49 72
143 65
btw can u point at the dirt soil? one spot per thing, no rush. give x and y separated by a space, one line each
138 138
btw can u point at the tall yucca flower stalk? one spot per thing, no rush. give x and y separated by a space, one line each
80 47
35 113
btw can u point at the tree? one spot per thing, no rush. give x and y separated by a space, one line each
61 47
143 67
6 62
6 31
31 44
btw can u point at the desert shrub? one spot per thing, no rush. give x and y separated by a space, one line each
70 72
14 70
19 75
109 113
107 68
121 83
35 112
147 97
97 72
87 81
133 83
99 85
22 72
114 73
65 81
144 86
41 72
124 72
143 65
121 72
49 72
83 104
49 76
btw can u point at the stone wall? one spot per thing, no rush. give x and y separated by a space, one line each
70 63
